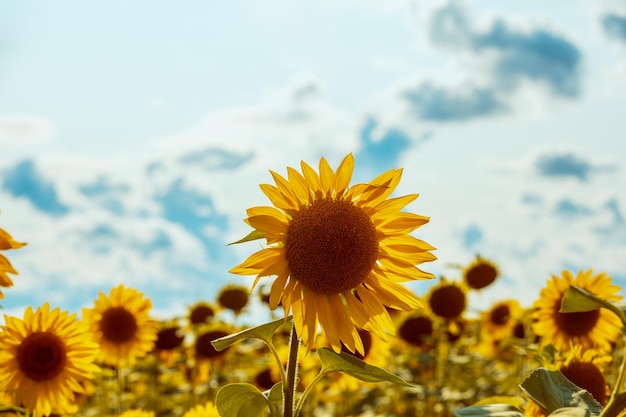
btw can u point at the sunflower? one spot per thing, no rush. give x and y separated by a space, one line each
447 299
586 370
501 319
122 325
596 328
480 273
137 412
7 242
45 359
234 298
202 410
201 312
337 252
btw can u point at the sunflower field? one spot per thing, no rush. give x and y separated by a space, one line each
347 338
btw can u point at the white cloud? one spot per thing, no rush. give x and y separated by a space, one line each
23 130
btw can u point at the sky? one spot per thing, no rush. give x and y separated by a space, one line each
134 135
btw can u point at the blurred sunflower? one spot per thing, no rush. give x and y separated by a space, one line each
447 299
7 242
202 410
234 298
417 329
337 252
45 359
121 324
204 356
480 273
584 368
501 319
137 412
595 328
201 312
170 338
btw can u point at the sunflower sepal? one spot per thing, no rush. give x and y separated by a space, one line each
353 366
578 299
253 235
264 332
241 399
552 391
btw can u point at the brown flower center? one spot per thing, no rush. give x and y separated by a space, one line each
118 325
203 347
447 301
234 299
416 330
169 338
578 323
480 276
587 375
500 315
331 246
201 314
41 356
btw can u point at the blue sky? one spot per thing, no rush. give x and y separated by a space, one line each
133 136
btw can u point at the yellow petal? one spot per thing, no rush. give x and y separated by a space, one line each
344 174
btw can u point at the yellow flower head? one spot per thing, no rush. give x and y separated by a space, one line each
595 328
45 359
337 252
7 242
122 325
202 410
137 412
500 321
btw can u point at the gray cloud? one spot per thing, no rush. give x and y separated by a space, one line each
567 207
431 102
567 164
509 56
539 56
615 26
24 180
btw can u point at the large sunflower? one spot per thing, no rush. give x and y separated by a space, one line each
122 325
337 252
45 358
595 328
7 242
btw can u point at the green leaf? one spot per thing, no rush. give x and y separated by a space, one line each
350 365
578 299
253 235
263 332
551 391
275 394
241 399
489 410
571 412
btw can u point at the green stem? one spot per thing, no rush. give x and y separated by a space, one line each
306 392
292 366
617 402
283 375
